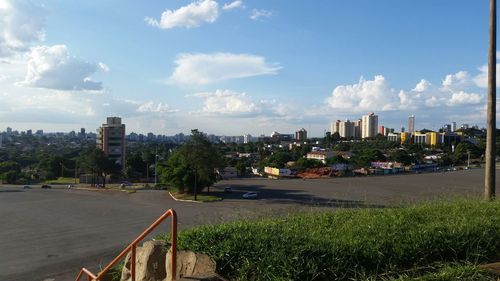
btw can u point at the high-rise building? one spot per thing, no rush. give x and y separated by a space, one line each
111 139
447 128
411 124
453 126
335 128
381 130
301 135
369 125
247 138
357 128
346 129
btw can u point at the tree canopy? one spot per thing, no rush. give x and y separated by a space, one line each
193 163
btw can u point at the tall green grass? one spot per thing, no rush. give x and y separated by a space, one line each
351 244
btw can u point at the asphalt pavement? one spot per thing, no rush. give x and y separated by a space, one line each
49 234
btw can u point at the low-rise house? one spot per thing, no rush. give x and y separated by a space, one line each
320 155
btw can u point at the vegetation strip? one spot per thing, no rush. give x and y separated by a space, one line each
360 244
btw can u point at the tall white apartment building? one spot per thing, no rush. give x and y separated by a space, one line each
411 124
369 125
335 127
346 129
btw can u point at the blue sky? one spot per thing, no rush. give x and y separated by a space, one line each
235 67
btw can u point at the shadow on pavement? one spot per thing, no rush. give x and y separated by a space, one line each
286 196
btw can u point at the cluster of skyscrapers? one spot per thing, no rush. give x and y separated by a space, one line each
365 127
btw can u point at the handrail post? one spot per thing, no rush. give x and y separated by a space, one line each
132 247
132 262
173 250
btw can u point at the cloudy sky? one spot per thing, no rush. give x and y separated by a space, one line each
235 67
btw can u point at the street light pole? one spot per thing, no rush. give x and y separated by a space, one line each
489 177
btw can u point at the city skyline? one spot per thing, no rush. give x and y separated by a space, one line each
220 66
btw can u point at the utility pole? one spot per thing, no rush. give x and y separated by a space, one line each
489 176
156 164
195 172
468 159
76 170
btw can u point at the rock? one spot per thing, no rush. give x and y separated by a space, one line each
206 277
492 267
191 264
150 262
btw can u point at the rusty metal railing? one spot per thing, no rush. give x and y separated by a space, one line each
132 249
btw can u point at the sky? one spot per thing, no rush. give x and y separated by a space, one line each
240 66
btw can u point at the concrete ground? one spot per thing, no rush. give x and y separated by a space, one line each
50 234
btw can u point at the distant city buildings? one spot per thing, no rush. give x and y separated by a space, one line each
301 135
111 139
366 127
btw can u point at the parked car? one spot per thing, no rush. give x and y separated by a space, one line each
228 189
46 186
250 195
26 187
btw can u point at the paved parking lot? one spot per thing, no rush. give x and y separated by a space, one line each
50 234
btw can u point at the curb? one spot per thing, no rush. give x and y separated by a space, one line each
89 189
182 200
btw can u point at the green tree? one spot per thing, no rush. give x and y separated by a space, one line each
135 167
192 164
462 149
9 171
94 161
304 163
402 156
364 157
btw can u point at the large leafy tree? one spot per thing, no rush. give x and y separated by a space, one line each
94 161
9 171
192 164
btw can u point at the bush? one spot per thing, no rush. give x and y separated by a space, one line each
350 244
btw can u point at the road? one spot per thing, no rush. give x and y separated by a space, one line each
50 234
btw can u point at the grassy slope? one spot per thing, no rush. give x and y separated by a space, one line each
352 244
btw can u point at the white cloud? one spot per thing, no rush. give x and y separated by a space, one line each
422 86
236 104
52 67
376 95
233 5
158 108
192 15
481 80
103 66
21 23
260 14
367 95
227 102
209 68
463 98
456 81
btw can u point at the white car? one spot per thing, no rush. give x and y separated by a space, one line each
250 195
